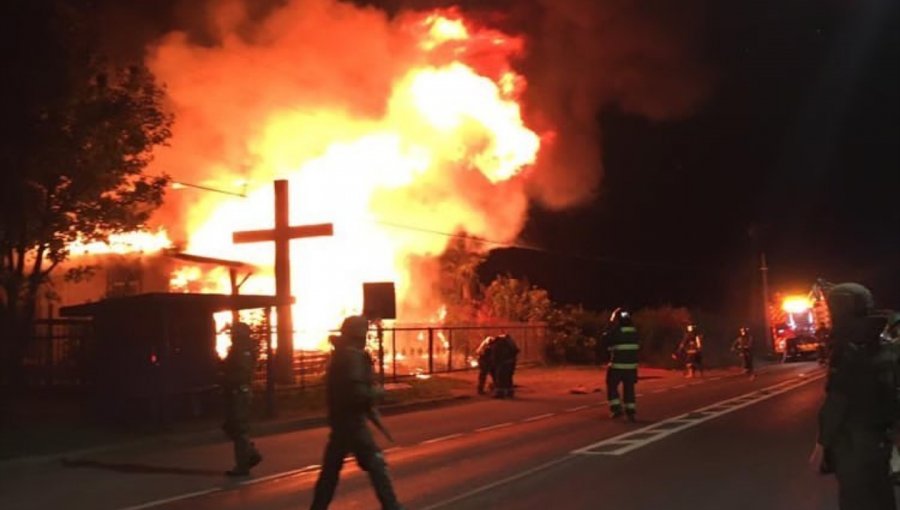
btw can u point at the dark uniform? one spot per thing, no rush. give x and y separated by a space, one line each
743 345
238 377
889 363
485 353
505 353
859 406
351 393
622 342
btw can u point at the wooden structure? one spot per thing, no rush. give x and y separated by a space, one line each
153 356
282 235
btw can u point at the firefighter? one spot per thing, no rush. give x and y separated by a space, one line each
505 356
858 411
351 394
621 340
743 345
691 351
485 353
240 363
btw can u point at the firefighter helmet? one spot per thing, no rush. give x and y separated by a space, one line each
619 314
355 327
891 333
847 300
240 330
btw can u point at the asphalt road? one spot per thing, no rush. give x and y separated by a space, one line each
714 442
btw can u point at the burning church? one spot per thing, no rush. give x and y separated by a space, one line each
402 130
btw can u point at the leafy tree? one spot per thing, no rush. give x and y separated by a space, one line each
458 285
574 334
512 299
661 330
77 138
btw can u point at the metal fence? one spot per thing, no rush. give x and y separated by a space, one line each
57 353
414 350
410 350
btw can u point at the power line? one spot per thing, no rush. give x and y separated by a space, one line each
181 184
538 249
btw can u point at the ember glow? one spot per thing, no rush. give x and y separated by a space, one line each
414 126
796 304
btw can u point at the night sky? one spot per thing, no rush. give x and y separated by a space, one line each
795 152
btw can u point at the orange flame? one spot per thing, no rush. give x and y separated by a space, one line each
431 140
129 242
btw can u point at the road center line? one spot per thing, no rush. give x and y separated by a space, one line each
616 445
442 438
276 476
160 502
513 478
539 417
576 409
494 427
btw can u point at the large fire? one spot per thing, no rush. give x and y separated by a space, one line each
430 137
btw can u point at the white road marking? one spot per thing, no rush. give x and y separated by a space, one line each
166 501
494 427
442 438
728 406
307 469
485 488
539 417
621 444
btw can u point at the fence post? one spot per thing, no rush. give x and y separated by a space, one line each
467 364
430 350
380 330
270 369
394 352
449 350
302 368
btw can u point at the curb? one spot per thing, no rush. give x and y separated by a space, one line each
212 436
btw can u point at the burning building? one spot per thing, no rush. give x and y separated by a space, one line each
402 130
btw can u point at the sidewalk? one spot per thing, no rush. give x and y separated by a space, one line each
439 390
58 436
552 381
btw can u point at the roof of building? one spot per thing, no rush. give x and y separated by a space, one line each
203 303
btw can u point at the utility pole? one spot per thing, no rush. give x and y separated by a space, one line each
764 272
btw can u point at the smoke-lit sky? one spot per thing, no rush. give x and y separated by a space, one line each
692 134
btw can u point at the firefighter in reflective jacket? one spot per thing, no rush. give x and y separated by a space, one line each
485 353
622 342
743 346
691 351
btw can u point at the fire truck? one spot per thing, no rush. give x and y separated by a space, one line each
800 323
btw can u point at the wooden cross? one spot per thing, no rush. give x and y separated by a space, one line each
282 235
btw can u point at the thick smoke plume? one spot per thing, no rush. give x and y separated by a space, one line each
386 116
585 56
